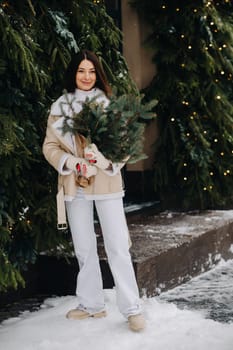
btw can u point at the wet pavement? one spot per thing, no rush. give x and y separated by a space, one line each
14 309
210 293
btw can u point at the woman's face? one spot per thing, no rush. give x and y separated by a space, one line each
86 75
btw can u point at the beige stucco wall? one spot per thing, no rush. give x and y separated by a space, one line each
141 69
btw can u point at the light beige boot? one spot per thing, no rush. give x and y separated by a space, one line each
77 314
136 323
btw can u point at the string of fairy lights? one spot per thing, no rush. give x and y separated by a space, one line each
213 46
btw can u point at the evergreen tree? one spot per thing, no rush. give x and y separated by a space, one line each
193 45
37 40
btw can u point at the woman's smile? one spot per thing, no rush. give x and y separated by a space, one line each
86 75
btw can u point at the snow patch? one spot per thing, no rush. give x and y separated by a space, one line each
61 27
167 328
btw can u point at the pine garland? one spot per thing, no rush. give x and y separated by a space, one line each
117 130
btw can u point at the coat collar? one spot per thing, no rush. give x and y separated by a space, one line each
66 138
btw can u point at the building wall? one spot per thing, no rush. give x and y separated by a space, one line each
141 69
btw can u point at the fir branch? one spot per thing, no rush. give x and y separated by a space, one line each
117 130
31 7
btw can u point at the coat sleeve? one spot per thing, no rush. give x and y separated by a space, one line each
116 167
54 153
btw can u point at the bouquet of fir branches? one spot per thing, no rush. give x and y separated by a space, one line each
117 130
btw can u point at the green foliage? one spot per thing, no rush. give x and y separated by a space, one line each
9 274
117 130
193 45
37 41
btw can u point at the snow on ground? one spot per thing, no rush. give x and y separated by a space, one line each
185 318
168 328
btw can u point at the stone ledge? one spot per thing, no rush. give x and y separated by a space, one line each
167 250
170 248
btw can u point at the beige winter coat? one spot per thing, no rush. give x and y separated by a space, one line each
56 145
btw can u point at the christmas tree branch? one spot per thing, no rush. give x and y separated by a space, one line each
117 130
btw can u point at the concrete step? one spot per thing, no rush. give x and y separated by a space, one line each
170 248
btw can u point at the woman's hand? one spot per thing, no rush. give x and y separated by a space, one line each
85 169
81 166
93 155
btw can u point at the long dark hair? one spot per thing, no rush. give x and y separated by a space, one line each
70 75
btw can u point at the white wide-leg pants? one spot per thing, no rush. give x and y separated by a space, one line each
112 219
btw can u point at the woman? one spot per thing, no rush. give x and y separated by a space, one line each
71 157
